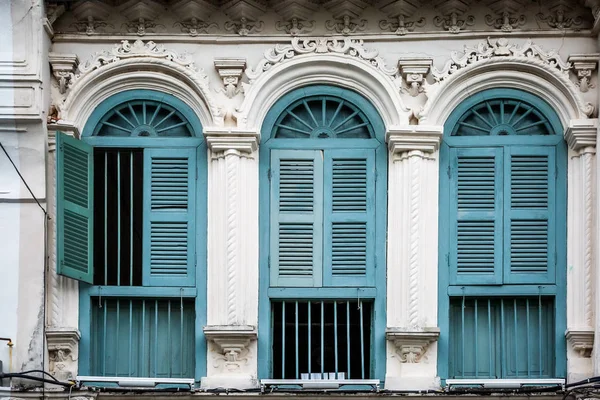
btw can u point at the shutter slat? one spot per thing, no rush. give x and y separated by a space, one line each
169 201
74 206
475 256
349 217
296 218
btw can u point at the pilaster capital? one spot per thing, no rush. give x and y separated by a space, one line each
63 349
582 340
63 68
581 133
60 126
419 138
224 140
412 345
231 70
231 340
414 70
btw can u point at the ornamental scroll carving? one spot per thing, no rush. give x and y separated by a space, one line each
300 46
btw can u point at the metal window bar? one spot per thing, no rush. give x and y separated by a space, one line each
160 343
321 339
505 326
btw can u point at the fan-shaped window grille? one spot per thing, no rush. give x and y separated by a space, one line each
502 117
144 118
322 117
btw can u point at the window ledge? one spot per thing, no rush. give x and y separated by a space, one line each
412 345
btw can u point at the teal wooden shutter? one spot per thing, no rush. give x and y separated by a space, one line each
349 220
529 216
169 217
296 218
475 216
74 208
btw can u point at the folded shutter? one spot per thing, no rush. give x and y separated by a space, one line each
529 215
169 217
349 217
476 216
296 218
74 208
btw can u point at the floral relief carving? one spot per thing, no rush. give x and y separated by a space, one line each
559 20
452 23
400 25
506 22
244 27
346 25
295 26
195 27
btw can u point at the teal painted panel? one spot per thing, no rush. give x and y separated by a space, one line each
169 222
529 215
476 216
143 337
296 218
349 218
75 198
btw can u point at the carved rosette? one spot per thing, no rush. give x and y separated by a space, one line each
410 345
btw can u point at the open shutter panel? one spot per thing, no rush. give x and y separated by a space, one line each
169 223
74 208
529 215
349 220
476 216
296 218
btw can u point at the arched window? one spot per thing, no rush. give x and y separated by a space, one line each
131 210
322 222
502 239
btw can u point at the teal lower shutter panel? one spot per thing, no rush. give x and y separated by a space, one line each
476 216
169 223
74 208
530 215
296 218
349 218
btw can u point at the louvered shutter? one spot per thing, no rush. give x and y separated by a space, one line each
349 217
74 208
296 218
476 216
169 217
529 216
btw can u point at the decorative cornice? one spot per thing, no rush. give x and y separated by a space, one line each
90 15
63 127
507 16
414 70
141 15
414 138
451 12
230 70
300 46
296 16
194 16
584 65
295 26
581 133
399 12
582 340
412 345
231 340
500 48
558 19
244 16
225 141
63 68
346 14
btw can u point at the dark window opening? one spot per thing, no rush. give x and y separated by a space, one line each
332 337
118 212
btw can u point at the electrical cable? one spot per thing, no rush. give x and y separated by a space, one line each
35 378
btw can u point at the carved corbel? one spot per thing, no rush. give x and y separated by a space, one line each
582 340
414 70
63 68
414 140
223 142
584 65
63 348
230 70
581 133
231 341
411 346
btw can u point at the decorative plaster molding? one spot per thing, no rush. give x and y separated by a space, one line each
345 25
507 14
557 19
414 70
231 341
141 15
399 12
584 65
53 12
451 12
500 48
63 127
411 346
63 68
231 71
295 26
582 340
90 15
244 27
244 16
225 141
345 15
414 140
299 46
63 349
194 16
582 133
